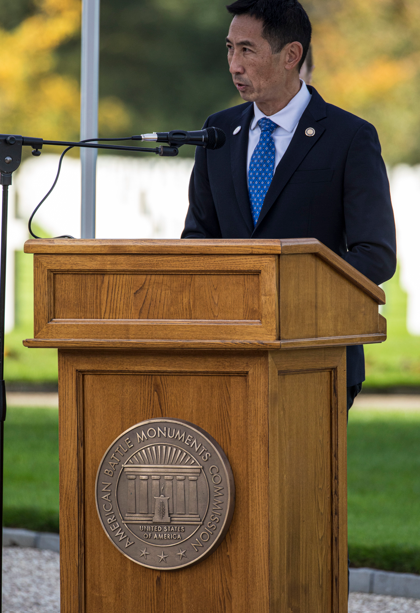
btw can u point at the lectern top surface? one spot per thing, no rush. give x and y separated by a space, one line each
161 246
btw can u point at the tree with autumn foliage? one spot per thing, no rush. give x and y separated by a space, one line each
367 58
163 66
36 98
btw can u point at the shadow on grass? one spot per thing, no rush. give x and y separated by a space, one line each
386 557
31 519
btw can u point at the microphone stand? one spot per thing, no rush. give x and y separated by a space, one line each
10 159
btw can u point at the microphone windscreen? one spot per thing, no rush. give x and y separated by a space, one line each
216 138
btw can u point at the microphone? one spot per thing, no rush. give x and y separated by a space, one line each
211 138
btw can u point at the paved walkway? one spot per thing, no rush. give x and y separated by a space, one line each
383 402
31 581
363 603
31 399
405 402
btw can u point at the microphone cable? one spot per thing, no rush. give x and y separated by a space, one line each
89 140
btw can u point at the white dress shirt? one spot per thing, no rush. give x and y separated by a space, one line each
287 119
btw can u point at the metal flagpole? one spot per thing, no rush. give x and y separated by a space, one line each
89 112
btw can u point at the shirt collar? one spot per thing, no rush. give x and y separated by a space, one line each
288 118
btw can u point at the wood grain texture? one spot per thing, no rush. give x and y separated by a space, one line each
152 344
311 245
228 397
71 490
42 297
193 345
334 341
157 297
117 298
204 247
382 325
316 301
160 246
144 297
308 485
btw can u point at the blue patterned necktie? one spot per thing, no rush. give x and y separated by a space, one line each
261 168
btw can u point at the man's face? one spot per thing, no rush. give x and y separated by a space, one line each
258 74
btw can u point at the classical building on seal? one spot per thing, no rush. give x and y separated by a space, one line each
162 486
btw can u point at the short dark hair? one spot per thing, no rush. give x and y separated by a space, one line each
284 21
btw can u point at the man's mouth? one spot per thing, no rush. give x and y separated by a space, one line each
240 86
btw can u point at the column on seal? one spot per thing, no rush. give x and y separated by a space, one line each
155 487
180 495
143 495
131 508
193 496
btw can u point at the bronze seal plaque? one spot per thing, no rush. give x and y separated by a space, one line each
165 493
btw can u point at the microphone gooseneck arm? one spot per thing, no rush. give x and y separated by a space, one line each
37 144
210 138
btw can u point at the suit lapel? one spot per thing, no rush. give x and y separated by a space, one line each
298 149
239 152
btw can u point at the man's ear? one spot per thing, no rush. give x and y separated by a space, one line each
294 52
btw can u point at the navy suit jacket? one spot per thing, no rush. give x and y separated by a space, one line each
331 186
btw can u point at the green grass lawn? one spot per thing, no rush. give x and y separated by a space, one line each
395 363
31 469
383 482
35 366
384 490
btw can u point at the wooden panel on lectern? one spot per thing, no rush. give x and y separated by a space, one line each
308 496
225 395
318 303
280 293
144 297
277 417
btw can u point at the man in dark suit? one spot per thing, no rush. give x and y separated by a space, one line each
293 166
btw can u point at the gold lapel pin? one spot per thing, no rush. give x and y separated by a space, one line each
310 132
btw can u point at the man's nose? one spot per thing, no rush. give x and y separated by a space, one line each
235 65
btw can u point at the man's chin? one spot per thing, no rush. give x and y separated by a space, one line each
247 96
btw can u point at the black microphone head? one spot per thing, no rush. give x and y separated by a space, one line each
216 138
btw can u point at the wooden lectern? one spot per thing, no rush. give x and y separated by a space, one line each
246 339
